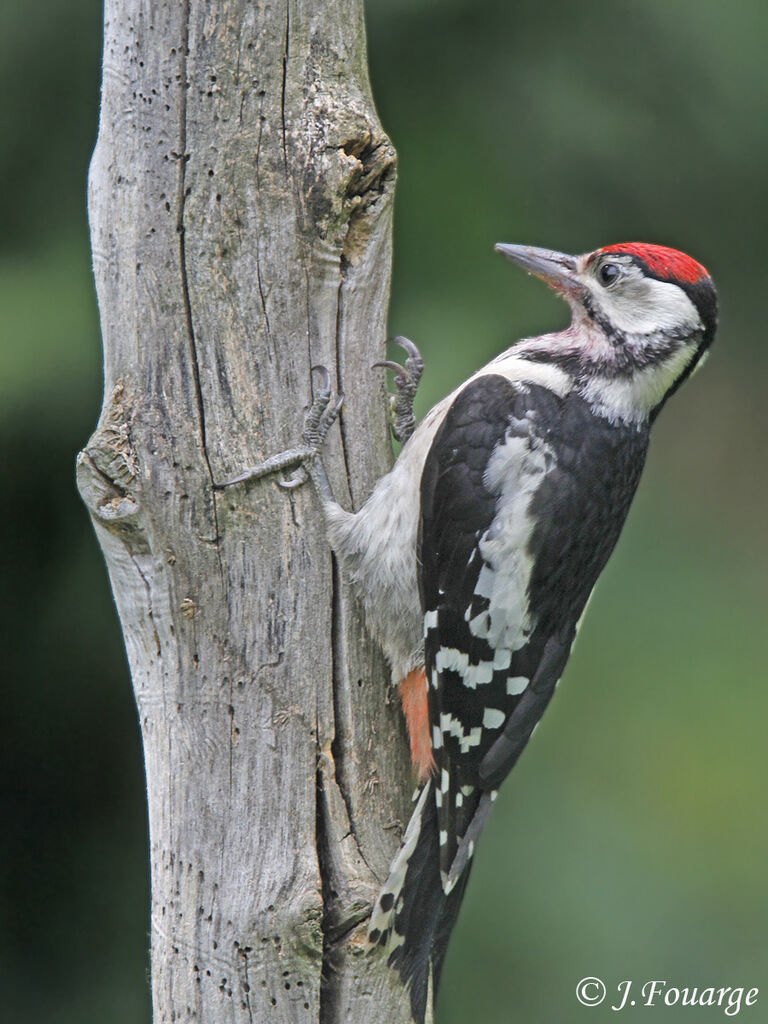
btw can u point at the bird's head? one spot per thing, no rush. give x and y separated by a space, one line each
643 318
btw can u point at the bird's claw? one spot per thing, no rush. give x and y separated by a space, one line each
299 477
389 364
408 373
322 413
407 377
304 459
319 419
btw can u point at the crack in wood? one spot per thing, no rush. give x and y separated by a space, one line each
181 199
340 383
150 609
286 53
341 741
259 280
322 841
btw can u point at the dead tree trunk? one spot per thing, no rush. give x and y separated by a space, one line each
240 204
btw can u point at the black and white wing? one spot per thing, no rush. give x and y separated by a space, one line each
521 494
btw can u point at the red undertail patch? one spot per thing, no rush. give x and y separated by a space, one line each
413 694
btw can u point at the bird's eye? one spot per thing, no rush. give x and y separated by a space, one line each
608 273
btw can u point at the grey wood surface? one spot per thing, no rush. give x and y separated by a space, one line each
240 200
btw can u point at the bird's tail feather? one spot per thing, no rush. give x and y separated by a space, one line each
413 917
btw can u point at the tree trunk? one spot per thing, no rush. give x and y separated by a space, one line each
240 203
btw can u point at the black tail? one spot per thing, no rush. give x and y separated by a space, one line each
413 917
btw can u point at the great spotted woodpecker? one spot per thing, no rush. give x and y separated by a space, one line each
476 555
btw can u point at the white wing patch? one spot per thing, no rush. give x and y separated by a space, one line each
493 718
502 659
452 660
516 684
515 471
472 675
453 727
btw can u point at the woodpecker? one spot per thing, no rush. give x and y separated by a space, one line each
476 555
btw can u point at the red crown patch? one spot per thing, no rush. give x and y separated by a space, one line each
670 264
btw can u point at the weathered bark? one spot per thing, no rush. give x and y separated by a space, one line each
240 204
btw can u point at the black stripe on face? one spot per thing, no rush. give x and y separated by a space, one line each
596 315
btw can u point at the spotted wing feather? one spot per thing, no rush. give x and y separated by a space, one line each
468 649
524 494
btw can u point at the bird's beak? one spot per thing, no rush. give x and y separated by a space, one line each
556 268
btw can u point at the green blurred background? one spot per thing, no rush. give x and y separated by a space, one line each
632 841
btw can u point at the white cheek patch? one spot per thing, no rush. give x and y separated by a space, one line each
645 306
649 314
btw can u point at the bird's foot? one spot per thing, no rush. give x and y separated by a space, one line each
304 458
407 377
